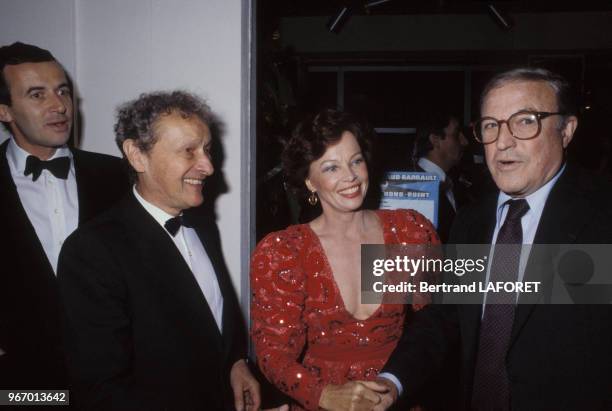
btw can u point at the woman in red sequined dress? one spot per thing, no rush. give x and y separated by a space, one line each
313 338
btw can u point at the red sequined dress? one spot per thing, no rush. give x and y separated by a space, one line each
296 304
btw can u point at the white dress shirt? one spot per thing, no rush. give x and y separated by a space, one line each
51 203
529 223
431 167
189 245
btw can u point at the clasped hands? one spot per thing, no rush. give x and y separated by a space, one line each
353 396
359 396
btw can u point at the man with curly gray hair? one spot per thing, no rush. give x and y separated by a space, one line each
152 318
136 119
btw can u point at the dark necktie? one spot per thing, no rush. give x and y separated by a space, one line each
59 167
173 224
491 384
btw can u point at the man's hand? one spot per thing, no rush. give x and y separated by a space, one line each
245 387
389 397
353 396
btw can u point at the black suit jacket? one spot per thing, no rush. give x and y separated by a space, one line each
446 212
559 356
29 320
139 332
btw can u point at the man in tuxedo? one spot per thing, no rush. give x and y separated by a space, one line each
517 355
152 319
47 189
438 148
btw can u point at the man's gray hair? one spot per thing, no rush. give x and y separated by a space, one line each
136 119
565 99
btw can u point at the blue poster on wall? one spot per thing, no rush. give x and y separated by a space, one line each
411 189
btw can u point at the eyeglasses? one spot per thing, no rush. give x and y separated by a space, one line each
523 125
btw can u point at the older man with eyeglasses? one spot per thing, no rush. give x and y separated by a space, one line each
521 356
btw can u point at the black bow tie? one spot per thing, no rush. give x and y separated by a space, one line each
59 167
173 224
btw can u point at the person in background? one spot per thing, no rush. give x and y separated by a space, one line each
438 148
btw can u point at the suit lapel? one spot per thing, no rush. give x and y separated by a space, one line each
564 204
481 232
87 187
210 244
17 219
162 261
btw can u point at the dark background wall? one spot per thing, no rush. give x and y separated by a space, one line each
395 61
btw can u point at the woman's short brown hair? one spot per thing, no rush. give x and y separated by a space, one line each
312 137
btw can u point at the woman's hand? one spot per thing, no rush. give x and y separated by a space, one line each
352 396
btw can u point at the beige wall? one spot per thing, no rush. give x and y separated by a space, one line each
117 49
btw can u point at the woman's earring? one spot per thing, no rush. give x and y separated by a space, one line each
313 199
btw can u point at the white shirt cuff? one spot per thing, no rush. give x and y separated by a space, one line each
394 380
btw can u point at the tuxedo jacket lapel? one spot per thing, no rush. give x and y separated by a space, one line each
87 188
89 199
161 260
28 294
18 222
210 244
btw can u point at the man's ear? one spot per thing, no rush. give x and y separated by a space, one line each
137 159
5 114
434 140
309 185
568 130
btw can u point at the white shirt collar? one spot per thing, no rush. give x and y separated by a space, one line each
17 156
536 200
157 213
431 167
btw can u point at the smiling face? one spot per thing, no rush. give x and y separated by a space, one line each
340 176
171 173
521 167
40 114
